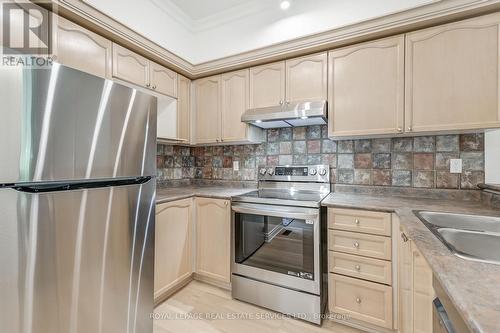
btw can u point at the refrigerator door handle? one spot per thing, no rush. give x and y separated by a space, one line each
43 187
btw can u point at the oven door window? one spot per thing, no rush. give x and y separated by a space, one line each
283 245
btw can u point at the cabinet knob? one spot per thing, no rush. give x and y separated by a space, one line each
281 103
225 203
154 87
148 85
403 236
400 130
356 245
357 267
409 129
287 102
358 300
216 140
356 221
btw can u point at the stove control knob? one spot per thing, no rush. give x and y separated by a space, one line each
270 171
262 171
313 172
322 172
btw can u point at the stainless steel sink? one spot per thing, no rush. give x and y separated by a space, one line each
473 245
472 237
461 221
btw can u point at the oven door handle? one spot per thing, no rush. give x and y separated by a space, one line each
266 210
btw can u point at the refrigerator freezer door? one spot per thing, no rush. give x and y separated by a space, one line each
77 261
63 124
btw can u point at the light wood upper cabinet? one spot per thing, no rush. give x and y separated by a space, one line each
207 109
184 109
213 239
173 245
267 85
234 103
130 66
366 88
307 78
81 49
452 76
162 79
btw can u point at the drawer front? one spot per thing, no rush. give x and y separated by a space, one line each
362 300
372 246
360 267
376 223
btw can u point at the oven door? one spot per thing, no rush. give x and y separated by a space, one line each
277 244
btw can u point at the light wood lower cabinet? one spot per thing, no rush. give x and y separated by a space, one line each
360 267
415 289
173 246
79 48
366 301
213 239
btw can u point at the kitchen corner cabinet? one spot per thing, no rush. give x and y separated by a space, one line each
366 88
267 85
207 109
79 48
213 239
307 78
184 109
219 103
415 289
452 76
134 68
173 246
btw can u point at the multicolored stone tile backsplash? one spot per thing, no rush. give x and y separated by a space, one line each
401 161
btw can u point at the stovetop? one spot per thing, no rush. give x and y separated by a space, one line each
283 197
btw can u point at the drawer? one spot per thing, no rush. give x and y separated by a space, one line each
369 222
361 244
366 301
360 267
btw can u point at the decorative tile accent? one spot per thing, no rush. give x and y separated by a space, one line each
472 142
363 161
424 144
447 143
401 161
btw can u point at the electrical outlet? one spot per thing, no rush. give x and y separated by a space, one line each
236 165
456 165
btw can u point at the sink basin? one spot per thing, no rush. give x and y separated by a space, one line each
461 221
472 237
473 245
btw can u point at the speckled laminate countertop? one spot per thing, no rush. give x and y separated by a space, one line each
217 192
473 287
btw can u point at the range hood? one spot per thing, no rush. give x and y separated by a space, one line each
288 115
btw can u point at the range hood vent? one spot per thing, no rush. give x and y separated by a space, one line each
288 115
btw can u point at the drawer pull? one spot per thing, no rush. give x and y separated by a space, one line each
356 221
358 300
356 245
357 267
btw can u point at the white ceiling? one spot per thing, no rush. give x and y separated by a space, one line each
205 30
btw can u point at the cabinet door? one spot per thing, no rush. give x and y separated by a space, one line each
208 122
81 49
130 66
213 234
173 245
423 293
162 79
234 103
366 88
405 280
307 78
452 76
267 85
184 109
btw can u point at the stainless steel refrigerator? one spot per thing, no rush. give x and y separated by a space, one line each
77 190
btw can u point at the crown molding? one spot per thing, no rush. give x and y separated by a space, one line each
412 19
